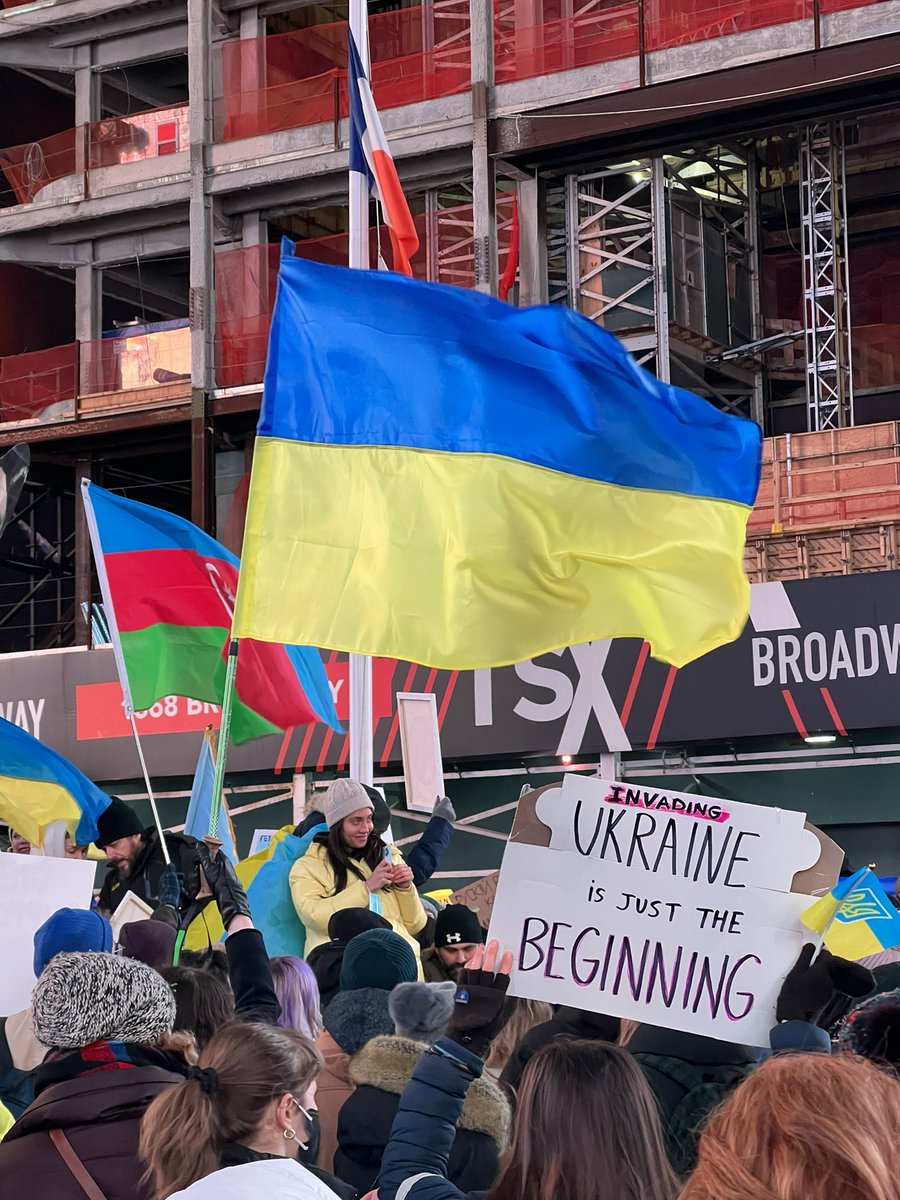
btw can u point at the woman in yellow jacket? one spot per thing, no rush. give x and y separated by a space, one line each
349 868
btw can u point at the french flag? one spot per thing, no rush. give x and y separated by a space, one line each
371 158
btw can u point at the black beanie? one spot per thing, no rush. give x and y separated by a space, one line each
381 812
118 821
457 925
346 923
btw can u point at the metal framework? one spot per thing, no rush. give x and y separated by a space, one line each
823 213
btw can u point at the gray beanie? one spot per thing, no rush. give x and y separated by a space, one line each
344 796
85 998
421 1011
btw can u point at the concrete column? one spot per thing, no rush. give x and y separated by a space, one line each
88 320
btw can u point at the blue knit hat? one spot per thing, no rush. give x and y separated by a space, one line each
378 958
71 929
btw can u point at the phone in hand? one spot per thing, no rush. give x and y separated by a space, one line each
386 855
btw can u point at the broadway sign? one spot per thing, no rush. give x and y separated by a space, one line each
818 655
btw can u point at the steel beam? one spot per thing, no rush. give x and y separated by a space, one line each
484 181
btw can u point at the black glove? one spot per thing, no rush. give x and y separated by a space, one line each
228 891
480 1011
809 987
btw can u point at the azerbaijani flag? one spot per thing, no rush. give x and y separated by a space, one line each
855 919
441 478
39 786
169 593
370 156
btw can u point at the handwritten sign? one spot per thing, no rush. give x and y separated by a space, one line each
32 888
662 907
479 896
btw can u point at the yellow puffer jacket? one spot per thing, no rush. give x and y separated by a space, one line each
312 890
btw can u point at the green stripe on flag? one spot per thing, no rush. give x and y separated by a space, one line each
185 660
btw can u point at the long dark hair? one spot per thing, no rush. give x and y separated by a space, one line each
340 859
185 1130
587 1128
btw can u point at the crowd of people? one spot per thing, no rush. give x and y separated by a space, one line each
391 1063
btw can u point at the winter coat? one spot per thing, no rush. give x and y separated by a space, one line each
423 856
381 1072
147 872
434 969
235 1155
351 1020
20 1054
689 1075
424 1133
100 1113
565 1022
272 1178
312 889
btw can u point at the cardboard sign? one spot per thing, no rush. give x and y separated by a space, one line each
32 888
479 896
663 907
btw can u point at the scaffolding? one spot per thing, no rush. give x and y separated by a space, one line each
826 289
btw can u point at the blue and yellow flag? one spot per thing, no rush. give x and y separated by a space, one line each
442 478
196 823
856 918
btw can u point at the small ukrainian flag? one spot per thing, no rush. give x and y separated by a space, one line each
856 918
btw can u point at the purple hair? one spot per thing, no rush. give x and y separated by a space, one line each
298 994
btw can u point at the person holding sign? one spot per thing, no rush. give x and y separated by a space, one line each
586 1124
351 867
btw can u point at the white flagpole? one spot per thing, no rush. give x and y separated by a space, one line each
361 750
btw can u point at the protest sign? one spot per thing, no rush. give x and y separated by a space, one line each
32 888
420 739
479 896
662 907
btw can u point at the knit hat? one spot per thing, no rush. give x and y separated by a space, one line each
120 820
378 958
872 1029
421 1011
71 929
86 998
344 796
150 942
346 923
457 925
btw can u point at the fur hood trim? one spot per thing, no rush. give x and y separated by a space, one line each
387 1063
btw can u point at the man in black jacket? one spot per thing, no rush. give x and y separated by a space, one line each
136 861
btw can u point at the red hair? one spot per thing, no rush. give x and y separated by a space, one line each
803 1127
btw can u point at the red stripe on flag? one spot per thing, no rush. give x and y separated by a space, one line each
661 710
171 587
642 657
832 708
404 238
395 720
795 714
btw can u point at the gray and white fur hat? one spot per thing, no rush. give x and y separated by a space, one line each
421 1011
85 998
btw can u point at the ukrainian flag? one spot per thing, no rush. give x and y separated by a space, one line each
39 786
441 478
856 918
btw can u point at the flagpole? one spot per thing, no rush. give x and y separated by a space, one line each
215 807
121 670
360 723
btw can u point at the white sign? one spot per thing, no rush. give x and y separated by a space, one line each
130 908
262 840
662 907
420 743
32 888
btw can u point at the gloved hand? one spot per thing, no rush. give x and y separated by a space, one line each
443 808
481 1006
227 889
809 986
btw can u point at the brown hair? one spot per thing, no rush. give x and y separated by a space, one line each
586 1128
343 860
185 1130
204 1001
803 1127
525 1015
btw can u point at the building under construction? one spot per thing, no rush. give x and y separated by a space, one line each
714 182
